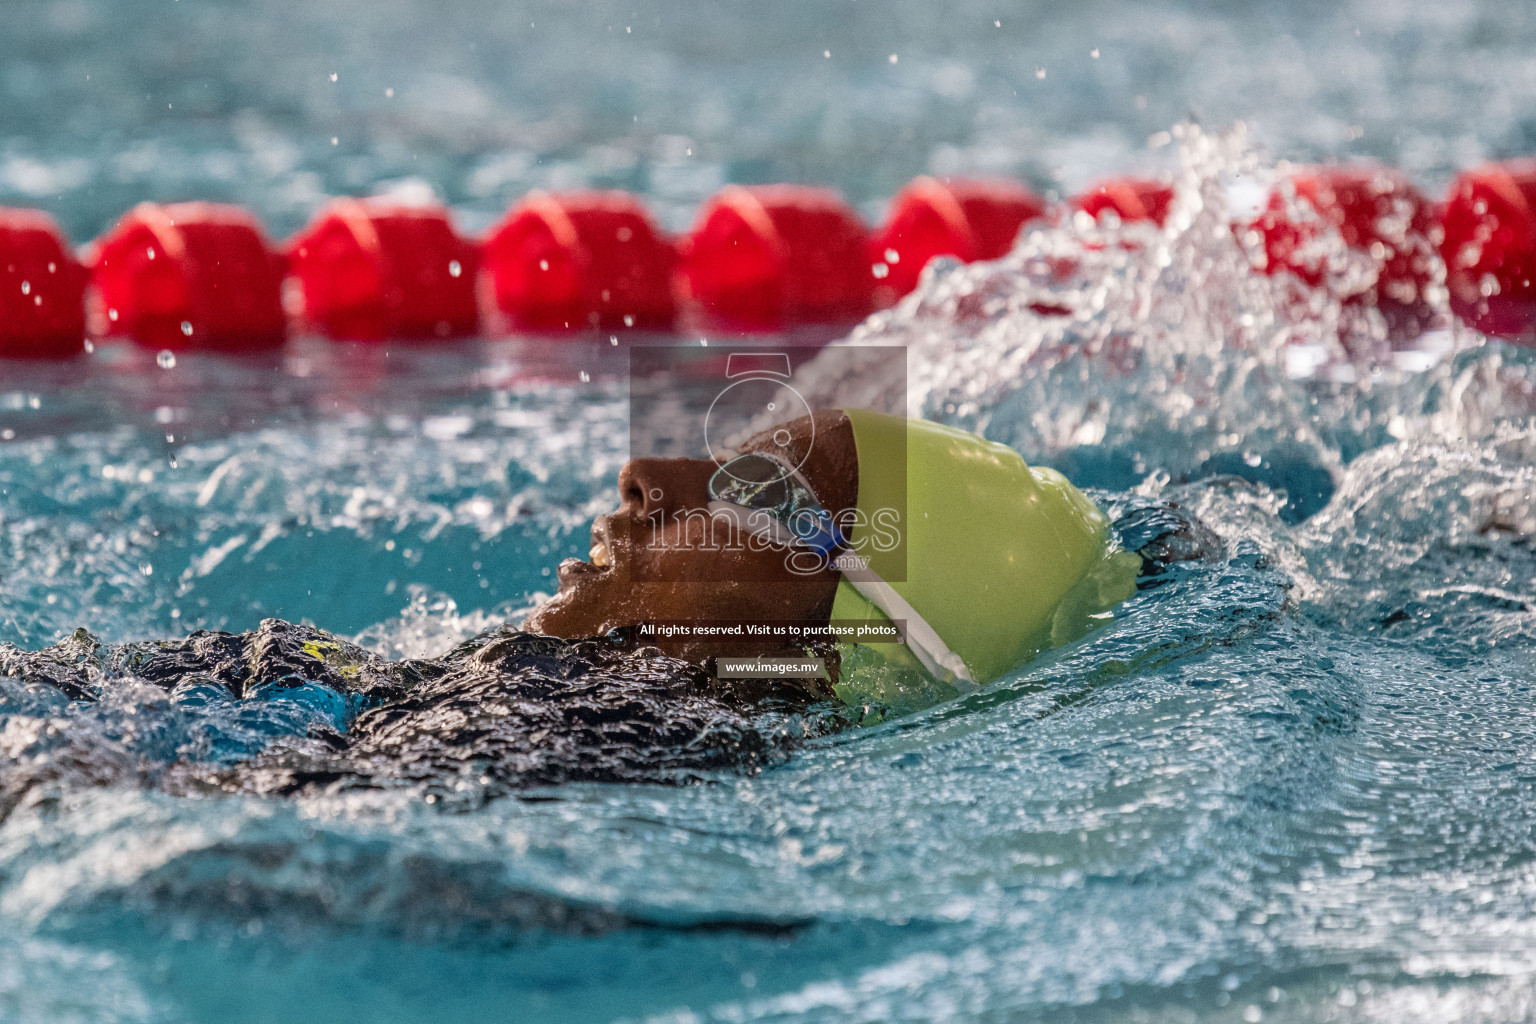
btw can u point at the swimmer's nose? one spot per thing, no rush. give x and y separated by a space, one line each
657 487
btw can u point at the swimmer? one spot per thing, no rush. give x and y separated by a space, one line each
1000 561
979 560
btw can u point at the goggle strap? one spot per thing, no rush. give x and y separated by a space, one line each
922 639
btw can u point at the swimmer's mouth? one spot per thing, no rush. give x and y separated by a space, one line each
571 568
600 553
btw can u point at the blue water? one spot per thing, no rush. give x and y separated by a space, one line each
1293 782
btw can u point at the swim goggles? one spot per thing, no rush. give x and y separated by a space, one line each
785 509
768 498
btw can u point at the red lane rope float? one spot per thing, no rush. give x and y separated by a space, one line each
766 257
576 260
372 269
1130 199
969 219
42 313
1377 212
1490 249
760 258
188 276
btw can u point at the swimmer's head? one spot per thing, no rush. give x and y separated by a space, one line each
663 558
979 559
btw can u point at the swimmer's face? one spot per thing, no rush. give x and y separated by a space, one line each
660 558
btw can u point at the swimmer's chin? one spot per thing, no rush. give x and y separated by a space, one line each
561 616
545 619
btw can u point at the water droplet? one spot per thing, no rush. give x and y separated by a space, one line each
997 24
892 58
335 141
613 339
584 377
892 256
454 270
112 315
89 346
186 328
629 321
880 270
26 287
1039 72
1094 53
333 76
53 268
543 264
166 359
150 252
826 53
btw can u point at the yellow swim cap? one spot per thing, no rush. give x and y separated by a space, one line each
994 556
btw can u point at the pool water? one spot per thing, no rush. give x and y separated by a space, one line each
1291 781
